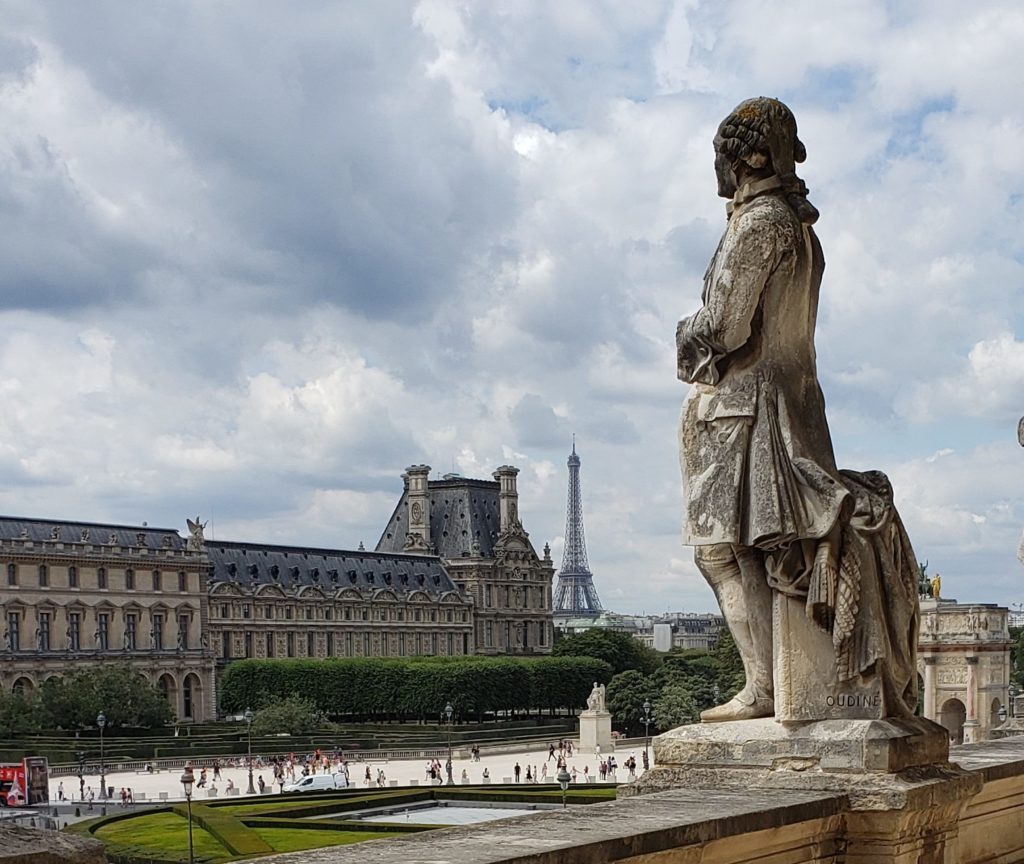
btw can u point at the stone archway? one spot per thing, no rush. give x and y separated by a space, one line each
23 686
168 688
192 698
993 717
952 715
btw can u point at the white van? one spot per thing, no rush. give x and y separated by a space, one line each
318 783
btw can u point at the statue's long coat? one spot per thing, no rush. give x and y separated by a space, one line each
758 464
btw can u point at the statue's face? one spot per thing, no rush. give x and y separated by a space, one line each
726 176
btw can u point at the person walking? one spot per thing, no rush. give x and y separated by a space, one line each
517 770
60 791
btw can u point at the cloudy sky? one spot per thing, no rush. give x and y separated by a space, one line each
256 258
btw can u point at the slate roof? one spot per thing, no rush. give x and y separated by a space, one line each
461 510
329 569
96 533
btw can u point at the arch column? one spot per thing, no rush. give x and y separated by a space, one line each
971 724
930 708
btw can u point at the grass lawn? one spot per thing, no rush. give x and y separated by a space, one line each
297 839
162 833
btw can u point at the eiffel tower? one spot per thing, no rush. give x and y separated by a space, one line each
575 594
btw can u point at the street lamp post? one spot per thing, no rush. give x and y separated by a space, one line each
187 779
101 721
248 722
448 712
564 779
647 727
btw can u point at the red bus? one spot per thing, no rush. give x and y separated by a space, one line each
24 783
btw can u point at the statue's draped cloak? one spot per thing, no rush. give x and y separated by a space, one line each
757 459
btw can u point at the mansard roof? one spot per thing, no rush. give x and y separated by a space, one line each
249 564
461 510
95 533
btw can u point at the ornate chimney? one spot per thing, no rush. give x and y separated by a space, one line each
508 498
418 507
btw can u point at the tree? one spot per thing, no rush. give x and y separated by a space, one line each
731 677
291 715
626 695
122 694
1017 656
619 650
674 707
20 713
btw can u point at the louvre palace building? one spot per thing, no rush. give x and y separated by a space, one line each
454 573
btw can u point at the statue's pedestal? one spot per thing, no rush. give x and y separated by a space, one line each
596 731
806 686
905 799
857 746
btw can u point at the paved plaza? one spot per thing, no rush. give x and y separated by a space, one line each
405 772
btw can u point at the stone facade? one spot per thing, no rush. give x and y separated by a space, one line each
464 579
77 593
474 526
964 663
281 601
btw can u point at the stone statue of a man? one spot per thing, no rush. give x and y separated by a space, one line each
765 505
596 700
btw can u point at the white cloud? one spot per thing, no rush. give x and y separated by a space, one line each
262 275
988 384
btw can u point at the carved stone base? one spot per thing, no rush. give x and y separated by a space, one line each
806 687
858 746
905 799
906 818
596 731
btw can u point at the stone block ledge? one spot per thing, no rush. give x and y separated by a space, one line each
969 810
620 830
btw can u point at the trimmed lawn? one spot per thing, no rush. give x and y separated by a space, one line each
297 839
162 833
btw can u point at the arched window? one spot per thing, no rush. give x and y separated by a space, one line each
187 697
129 579
157 581
101 577
44 576
12 574
72 576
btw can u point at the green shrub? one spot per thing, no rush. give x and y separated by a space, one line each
416 687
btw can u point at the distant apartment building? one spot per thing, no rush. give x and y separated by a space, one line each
667 632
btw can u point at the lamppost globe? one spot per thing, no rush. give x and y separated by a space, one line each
564 779
647 729
1001 713
187 779
101 722
448 712
248 729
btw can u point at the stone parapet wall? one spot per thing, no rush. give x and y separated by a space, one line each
677 826
20 845
715 826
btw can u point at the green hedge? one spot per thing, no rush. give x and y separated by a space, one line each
411 688
230 832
